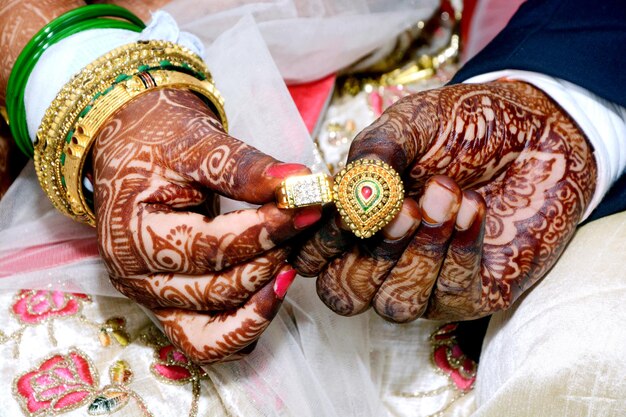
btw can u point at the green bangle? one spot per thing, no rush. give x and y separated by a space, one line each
17 113
70 23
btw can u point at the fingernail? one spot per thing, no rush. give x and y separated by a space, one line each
306 217
282 171
467 213
283 281
438 200
407 219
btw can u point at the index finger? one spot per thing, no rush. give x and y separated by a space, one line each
207 155
182 139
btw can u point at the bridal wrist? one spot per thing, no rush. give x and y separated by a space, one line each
80 110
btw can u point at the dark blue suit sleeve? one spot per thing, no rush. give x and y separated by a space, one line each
580 41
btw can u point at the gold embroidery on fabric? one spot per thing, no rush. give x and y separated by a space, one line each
171 366
32 308
58 384
113 326
444 340
64 382
117 394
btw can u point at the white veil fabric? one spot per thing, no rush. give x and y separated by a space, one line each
307 39
310 362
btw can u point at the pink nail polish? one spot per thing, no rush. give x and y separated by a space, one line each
306 217
282 171
283 282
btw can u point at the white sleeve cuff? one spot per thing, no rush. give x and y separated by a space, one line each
603 122
62 60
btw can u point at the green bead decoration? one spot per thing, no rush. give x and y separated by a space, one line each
84 112
121 77
68 138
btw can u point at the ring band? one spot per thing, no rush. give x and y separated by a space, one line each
368 194
304 190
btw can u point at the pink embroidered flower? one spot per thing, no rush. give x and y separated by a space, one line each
174 366
37 306
449 358
58 384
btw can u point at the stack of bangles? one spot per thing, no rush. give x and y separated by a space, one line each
367 193
83 106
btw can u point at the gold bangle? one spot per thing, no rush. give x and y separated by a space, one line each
4 114
83 90
368 194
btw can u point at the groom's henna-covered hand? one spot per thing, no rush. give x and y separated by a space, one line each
528 174
159 165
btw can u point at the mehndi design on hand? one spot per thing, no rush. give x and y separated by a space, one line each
158 164
532 173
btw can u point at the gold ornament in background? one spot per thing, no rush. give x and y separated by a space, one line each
418 54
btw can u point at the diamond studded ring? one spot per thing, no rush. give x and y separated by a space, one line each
368 194
304 190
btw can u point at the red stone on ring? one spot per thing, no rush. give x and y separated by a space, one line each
366 192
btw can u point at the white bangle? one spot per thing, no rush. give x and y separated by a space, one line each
48 77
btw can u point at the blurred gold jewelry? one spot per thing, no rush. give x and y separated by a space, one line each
59 140
368 194
419 54
304 190
3 113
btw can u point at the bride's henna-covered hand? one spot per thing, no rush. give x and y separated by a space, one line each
214 282
497 177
